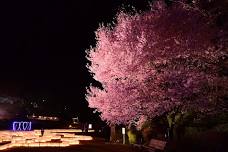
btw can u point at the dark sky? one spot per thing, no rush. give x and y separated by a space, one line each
42 48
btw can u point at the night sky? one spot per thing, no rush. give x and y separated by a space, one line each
43 45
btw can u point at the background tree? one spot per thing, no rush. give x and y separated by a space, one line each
161 60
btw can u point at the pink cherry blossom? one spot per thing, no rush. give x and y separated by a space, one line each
155 61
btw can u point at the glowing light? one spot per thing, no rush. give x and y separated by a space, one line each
22 126
123 131
90 126
50 138
34 117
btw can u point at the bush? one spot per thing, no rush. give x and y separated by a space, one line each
132 137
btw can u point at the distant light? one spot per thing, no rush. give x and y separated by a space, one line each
90 126
75 120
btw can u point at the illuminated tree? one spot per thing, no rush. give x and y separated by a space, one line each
157 61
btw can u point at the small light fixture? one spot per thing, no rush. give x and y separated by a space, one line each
90 126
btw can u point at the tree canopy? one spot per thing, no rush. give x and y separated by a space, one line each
153 62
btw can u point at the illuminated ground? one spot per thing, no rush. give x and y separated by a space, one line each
50 138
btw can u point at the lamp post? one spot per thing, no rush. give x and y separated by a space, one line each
123 133
90 126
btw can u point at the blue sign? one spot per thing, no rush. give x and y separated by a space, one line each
22 125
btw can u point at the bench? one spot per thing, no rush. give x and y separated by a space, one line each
155 145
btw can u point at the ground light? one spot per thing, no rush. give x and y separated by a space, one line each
50 138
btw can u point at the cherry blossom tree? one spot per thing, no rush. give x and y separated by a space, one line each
153 62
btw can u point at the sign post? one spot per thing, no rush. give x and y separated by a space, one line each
123 133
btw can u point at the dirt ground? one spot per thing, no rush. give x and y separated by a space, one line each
78 148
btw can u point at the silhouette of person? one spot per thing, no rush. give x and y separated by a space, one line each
42 131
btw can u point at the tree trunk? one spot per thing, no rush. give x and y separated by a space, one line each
113 133
170 133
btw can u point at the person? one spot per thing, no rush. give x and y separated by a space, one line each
42 132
